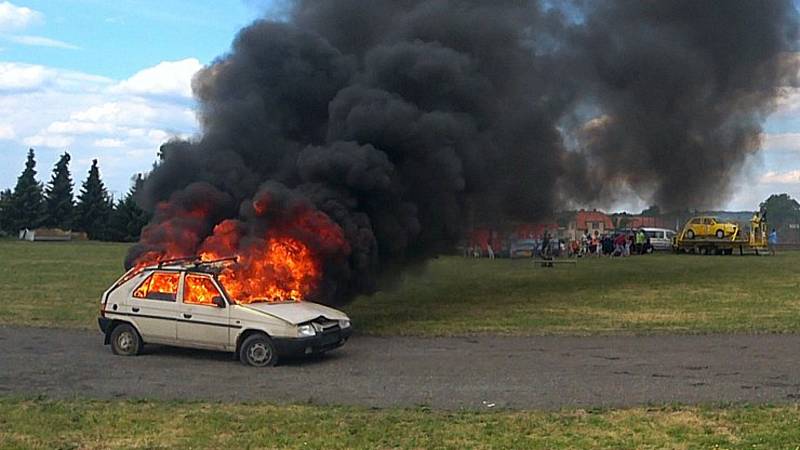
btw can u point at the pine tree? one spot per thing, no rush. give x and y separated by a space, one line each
94 206
58 196
128 218
5 212
26 208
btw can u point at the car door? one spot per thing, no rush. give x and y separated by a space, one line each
661 240
202 323
154 307
708 227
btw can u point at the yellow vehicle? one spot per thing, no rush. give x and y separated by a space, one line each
706 227
754 239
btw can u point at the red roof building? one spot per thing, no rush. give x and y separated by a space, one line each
590 221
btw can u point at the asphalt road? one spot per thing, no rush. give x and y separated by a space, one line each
473 373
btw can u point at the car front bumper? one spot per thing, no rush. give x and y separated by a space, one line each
104 323
319 343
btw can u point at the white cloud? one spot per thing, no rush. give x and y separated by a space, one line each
41 41
22 76
48 140
781 141
52 109
7 132
168 78
788 177
13 17
32 77
109 143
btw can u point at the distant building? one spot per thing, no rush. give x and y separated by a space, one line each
590 221
50 234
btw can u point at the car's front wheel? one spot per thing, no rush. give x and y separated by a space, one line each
258 351
690 234
720 234
125 340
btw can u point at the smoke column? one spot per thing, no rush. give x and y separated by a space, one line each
389 125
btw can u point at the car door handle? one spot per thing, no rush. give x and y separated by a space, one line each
135 309
188 316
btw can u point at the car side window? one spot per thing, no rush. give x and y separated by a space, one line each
159 286
199 290
708 222
697 221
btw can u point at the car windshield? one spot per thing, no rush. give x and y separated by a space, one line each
232 298
238 293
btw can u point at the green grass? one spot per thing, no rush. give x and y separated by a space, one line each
56 283
59 284
93 424
647 294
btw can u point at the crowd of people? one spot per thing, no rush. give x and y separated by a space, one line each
618 244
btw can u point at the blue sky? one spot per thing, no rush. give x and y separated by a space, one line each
110 79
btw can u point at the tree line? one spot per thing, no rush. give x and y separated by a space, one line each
32 205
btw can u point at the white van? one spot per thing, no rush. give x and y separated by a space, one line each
660 238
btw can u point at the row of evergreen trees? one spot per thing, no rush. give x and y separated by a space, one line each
31 205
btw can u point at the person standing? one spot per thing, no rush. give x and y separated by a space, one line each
546 245
619 245
772 241
628 244
584 244
641 238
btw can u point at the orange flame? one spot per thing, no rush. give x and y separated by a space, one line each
280 269
162 286
285 263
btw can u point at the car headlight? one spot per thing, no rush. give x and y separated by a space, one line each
306 330
345 323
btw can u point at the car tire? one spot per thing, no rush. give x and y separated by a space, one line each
258 351
690 234
125 340
720 234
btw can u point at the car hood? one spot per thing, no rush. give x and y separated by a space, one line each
296 312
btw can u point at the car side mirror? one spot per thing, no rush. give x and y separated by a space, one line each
218 301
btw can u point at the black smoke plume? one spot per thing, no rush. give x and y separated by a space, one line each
405 120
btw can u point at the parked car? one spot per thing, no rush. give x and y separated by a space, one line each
706 226
523 248
185 305
660 238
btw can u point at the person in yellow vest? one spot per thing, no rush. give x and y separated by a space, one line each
641 240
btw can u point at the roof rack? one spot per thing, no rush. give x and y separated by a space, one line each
216 261
171 261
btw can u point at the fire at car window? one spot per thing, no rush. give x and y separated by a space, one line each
199 290
159 286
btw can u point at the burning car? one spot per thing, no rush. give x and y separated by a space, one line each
184 303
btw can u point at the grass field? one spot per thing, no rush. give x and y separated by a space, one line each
87 424
59 284
56 283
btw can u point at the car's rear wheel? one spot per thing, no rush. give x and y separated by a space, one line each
125 340
690 234
720 234
258 351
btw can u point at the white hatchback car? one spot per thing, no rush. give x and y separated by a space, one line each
184 304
